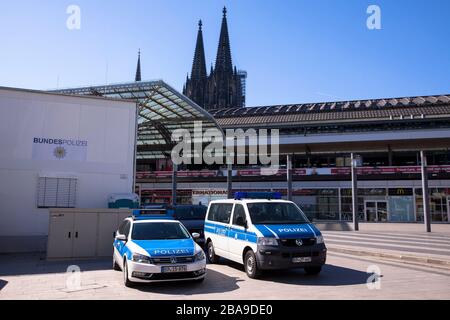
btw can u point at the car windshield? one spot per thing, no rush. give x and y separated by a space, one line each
158 231
275 213
191 213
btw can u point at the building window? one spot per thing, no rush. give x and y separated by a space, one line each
318 204
56 192
346 205
439 204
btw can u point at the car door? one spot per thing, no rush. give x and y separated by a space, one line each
119 245
237 239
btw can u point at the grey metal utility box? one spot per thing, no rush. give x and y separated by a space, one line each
83 233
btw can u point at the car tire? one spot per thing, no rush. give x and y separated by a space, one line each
251 265
126 280
211 254
116 266
313 271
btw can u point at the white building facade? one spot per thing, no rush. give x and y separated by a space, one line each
59 151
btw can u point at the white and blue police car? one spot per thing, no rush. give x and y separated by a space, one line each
154 248
263 232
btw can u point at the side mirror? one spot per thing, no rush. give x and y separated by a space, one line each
241 222
121 237
196 235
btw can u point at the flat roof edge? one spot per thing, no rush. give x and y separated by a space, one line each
52 93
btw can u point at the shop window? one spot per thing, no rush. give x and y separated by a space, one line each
318 204
401 208
346 205
56 192
439 204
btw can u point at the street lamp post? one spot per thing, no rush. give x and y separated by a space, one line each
174 183
289 176
230 181
425 194
354 192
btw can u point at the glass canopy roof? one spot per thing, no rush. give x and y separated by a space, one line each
162 109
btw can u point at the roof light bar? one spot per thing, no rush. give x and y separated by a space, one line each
257 195
153 213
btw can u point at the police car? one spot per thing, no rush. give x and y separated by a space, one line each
263 232
154 248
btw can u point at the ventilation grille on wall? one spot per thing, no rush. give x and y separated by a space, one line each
56 192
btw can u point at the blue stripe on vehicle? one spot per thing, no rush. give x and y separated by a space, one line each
231 232
264 231
284 231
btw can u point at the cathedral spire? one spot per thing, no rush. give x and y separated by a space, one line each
222 88
199 64
223 59
138 69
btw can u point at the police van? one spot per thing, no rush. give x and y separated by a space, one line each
149 247
263 232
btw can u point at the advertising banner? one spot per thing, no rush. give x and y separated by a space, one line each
296 172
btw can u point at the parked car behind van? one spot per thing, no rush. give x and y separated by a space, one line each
192 217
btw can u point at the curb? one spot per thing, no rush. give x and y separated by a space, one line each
394 256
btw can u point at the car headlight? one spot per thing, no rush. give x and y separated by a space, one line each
141 258
200 256
319 240
267 242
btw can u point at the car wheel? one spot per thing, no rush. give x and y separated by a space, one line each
116 266
313 270
251 265
126 280
212 257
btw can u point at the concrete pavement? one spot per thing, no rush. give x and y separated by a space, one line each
418 247
344 277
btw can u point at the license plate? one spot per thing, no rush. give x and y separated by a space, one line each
301 260
174 269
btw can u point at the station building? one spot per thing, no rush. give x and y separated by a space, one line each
387 136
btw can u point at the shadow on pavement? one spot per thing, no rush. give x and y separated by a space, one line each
3 283
33 264
215 282
331 275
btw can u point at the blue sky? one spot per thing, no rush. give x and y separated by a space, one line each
293 50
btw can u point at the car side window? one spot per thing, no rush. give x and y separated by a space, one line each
127 228
122 227
220 212
239 217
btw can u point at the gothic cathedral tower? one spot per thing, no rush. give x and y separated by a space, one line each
223 88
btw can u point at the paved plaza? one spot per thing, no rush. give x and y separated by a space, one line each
344 277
